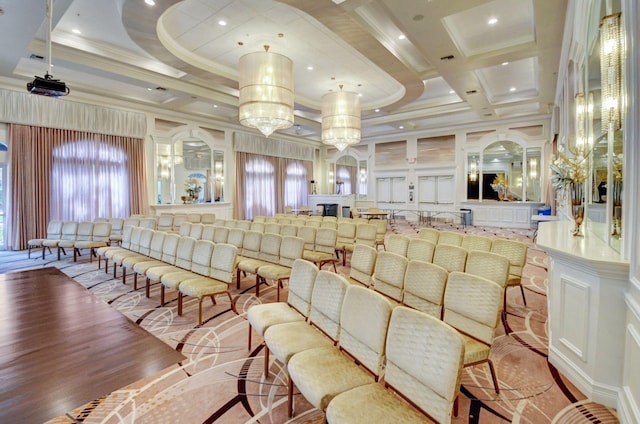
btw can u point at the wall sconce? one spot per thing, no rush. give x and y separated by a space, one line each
610 71
363 175
533 168
473 171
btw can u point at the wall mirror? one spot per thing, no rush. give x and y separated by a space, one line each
347 175
598 119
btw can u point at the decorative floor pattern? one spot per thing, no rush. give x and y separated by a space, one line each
222 382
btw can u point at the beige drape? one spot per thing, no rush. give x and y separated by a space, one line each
32 180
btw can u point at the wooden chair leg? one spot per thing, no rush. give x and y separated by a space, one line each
200 310
180 303
147 287
524 299
233 305
106 265
249 338
124 275
161 294
290 397
266 362
455 406
493 376
238 278
135 281
257 285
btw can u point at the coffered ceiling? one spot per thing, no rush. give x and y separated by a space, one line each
418 64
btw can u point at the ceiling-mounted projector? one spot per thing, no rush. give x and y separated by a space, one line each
48 86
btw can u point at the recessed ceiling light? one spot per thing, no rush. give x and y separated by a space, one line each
402 37
309 68
222 22
377 110
215 106
76 31
505 63
492 21
452 92
149 89
150 2
401 127
512 89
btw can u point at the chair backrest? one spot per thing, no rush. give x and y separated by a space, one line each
178 219
193 217
116 226
157 244
363 262
289 230
257 226
473 305
366 234
420 249
208 232
449 237
243 224
301 281
101 231
170 248
451 258
184 252
329 224
69 230
221 235
134 244
165 222
149 222
476 242
329 218
515 251
185 229
251 244
270 247
326 239
288 209
346 233
398 244
208 218
424 285
315 223
424 362
284 220
291 249
260 218
489 265
220 222
326 302
131 222
381 229
196 231
272 227
429 234
223 262
364 322
54 229
236 237
271 219
388 276
84 231
127 233
308 234
201 257
373 210
144 248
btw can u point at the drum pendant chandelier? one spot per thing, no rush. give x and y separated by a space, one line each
341 119
266 91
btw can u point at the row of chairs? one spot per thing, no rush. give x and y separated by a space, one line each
199 268
355 319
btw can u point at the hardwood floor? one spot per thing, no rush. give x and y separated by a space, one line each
61 347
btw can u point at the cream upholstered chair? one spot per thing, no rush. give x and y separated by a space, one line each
193 217
196 231
290 249
429 234
491 266
424 362
257 226
329 224
322 373
388 276
250 250
363 262
243 224
221 235
84 232
185 229
289 230
285 340
217 282
424 285
284 220
475 242
308 234
178 219
451 258
236 237
67 235
208 231
208 218
150 222
473 306
346 236
220 222
99 238
288 210
420 249
315 223
155 254
117 228
516 253
54 231
125 241
273 228
269 254
272 219
365 234
165 222
301 280
141 252
381 232
398 244
449 237
200 261
260 218
167 257
323 249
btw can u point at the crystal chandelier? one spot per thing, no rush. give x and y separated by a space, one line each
341 119
266 91
610 71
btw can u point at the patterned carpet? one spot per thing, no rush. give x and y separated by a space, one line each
223 382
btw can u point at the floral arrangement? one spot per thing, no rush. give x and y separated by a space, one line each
499 184
566 170
192 187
